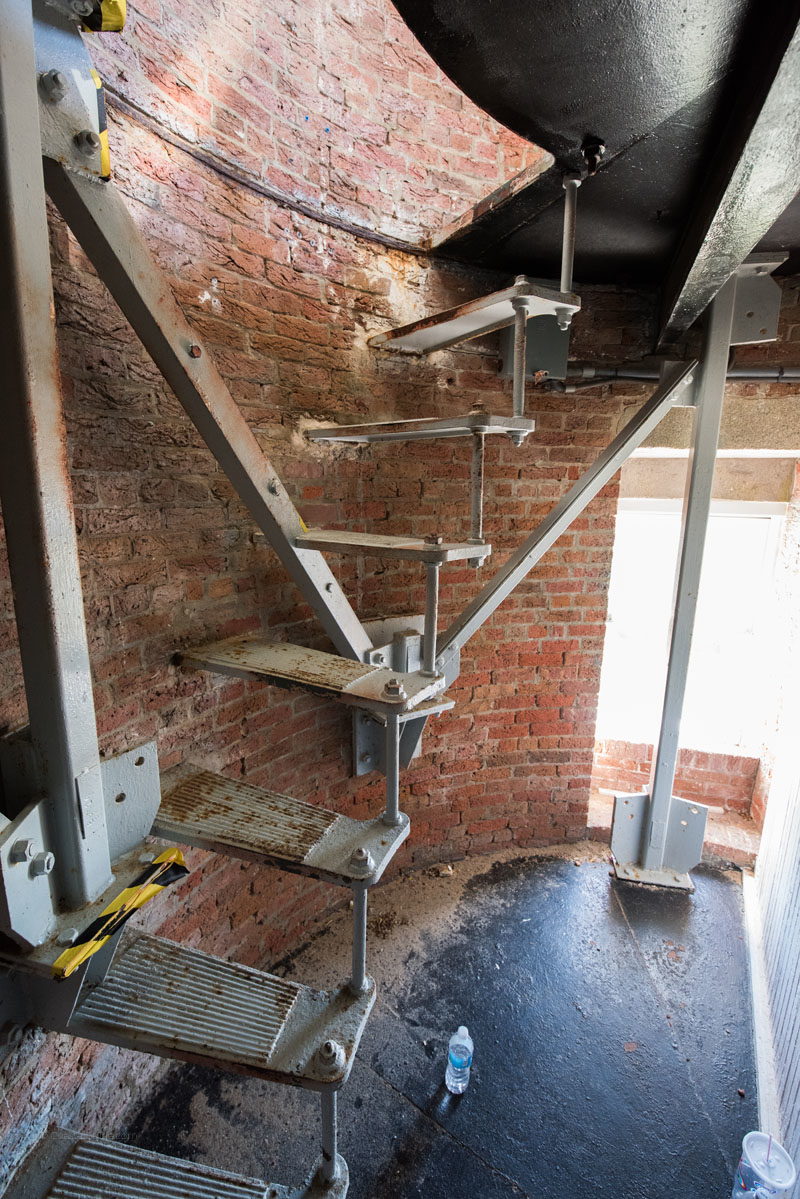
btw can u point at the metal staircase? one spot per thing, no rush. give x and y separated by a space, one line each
74 839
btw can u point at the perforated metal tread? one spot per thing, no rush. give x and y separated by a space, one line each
66 1165
475 318
243 821
408 549
295 666
426 429
164 998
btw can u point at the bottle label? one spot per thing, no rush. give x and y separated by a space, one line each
460 1058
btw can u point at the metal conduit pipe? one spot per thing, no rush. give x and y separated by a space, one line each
584 375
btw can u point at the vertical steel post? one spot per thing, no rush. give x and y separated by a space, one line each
431 618
571 184
710 393
391 815
359 960
36 495
521 308
330 1146
476 474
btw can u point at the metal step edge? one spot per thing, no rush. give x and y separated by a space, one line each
68 1165
425 429
164 998
404 549
296 667
240 820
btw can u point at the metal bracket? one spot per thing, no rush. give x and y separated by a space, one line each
132 790
758 300
683 845
71 106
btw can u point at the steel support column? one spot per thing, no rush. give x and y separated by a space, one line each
697 505
36 495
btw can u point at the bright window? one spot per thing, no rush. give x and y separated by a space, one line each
730 689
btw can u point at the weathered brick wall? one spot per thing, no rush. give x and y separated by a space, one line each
168 557
722 780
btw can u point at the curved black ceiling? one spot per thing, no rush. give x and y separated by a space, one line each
658 81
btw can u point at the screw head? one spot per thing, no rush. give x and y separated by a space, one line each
195 351
87 142
53 85
394 689
42 864
362 863
21 851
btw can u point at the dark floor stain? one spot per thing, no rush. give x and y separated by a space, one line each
612 1036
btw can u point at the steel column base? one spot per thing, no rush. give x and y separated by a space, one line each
629 872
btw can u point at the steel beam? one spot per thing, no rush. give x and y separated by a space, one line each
100 220
697 505
36 495
753 177
571 505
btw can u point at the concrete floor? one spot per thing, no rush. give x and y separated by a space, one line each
612 1038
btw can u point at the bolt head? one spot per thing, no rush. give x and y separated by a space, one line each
22 851
42 864
87 142
330 1058
195 351
434 539
67 936
362 863
394 689
53 85
82 8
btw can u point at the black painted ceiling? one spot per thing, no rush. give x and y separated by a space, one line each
656 80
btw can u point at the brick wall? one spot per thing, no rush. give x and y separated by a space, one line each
168 557
722 780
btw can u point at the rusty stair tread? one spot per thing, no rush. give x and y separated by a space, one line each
475 318
284 665
171 1000
410 549
69 1165
235 818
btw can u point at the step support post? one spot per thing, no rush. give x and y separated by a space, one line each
330 1148
476 473
521 306
391 815
571 183
359 968
431 619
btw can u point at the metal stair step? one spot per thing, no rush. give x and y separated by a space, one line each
68 1165
243 821
295 666
426 429
408 549
475 318
164 998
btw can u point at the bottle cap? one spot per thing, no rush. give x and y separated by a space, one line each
462 1030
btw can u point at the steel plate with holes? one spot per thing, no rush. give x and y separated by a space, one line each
475 318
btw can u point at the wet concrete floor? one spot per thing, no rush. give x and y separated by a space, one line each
613 1051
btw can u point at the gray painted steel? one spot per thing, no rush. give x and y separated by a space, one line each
476 318
710 393
381 545
102 224
67 1165
164 998
243 821
295 666
426 429
37 500
563 514
60 47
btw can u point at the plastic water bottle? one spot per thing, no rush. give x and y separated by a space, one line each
459 1060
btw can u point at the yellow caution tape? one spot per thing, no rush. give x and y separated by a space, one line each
102 127
107 16
167 868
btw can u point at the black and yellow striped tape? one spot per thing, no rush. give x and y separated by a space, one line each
102 127
167 868
107 16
